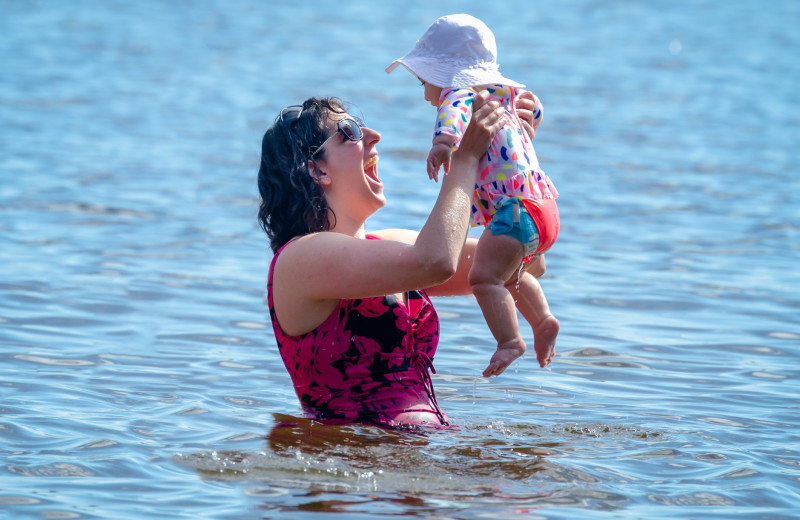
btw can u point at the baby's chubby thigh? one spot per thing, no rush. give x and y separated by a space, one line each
502 246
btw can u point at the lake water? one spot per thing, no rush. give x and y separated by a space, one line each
140 377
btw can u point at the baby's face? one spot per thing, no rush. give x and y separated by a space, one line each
432 93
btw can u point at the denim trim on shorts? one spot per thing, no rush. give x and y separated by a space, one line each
512 219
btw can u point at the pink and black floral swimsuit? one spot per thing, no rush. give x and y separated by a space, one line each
369 361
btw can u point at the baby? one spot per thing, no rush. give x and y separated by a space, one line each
514 199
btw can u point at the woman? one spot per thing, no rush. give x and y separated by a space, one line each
350 310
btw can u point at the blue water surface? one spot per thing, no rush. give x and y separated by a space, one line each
140 377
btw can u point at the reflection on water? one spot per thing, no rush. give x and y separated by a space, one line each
480 464
140 378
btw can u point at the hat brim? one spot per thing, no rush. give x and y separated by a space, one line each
435 72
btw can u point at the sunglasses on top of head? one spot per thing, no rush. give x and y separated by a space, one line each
290 114
287 119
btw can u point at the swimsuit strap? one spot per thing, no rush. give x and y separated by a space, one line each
424 365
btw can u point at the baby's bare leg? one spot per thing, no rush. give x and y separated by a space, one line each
533 305
496 258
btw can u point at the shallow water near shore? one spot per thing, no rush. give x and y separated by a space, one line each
140 377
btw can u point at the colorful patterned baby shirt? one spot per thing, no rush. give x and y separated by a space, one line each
510 168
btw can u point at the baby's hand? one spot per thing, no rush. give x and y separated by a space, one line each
439 156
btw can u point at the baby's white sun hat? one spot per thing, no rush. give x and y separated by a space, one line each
458 50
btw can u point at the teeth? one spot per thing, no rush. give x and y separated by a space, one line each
372 161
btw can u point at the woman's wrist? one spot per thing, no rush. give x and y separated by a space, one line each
462 160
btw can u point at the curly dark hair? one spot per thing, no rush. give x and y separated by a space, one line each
292 202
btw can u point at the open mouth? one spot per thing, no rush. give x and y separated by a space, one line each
371 168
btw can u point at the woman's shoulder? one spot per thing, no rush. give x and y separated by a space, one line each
318 239
299 251
317 270
306 250
303 245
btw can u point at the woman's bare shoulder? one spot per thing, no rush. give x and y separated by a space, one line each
330 265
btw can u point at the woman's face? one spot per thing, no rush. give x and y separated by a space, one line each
353 187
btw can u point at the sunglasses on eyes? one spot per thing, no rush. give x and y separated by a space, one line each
349 127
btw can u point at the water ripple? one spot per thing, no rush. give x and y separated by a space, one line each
53 361
52 470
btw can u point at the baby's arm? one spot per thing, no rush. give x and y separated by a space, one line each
440 155
453 114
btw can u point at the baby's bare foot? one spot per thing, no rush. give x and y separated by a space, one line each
544 339
506 352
